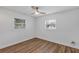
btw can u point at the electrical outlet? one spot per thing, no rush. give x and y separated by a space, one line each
73 42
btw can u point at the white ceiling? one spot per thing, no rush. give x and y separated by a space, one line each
48 9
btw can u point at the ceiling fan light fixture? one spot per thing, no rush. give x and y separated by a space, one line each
36 13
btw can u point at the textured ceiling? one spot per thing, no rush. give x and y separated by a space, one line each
47 9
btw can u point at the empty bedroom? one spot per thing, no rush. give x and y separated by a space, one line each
39 29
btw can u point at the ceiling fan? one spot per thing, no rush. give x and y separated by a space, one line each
36 11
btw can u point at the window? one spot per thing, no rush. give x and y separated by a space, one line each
50 24
19 23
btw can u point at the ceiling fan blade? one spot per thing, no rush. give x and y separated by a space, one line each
42 12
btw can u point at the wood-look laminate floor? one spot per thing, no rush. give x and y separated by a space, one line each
36 45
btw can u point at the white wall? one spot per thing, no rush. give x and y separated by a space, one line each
67 28
8 34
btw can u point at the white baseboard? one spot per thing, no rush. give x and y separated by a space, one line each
4 46
66 44
62 43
